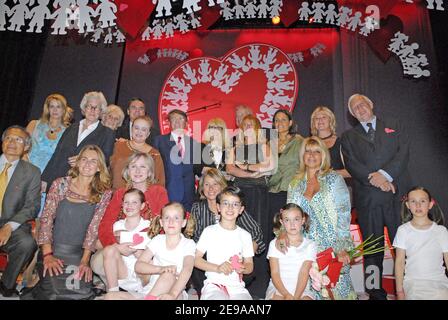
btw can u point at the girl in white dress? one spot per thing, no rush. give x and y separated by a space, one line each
168 258
120 272
421 247
290 270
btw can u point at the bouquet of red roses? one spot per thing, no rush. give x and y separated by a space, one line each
326 270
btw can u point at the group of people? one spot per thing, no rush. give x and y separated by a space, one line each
121 204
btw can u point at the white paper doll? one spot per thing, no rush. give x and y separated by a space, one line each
343 16
263 9
191 5
61 16
304 12
109 36
169 29
354 21
107 10
239 10
18 13
162 5
251 9
226 11
85 16
330 14
38 15
318 12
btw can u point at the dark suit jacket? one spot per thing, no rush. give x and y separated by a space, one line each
389 151
21 201
179 176
207 160
58 166
123 132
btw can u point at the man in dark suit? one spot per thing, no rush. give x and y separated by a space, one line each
179 153
376 154
88 131
136 108
19 203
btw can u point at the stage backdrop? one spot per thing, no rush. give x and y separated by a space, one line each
348 63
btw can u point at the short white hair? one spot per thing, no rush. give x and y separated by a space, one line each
117 109
358 96
94 95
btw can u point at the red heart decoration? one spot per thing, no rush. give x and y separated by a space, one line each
132 15
259 76
137 239
380 38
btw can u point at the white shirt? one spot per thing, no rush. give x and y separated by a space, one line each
220 245
3 161
291 262
82 135
121 225
176 136
424 251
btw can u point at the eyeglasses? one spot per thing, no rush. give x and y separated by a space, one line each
14 139
312 151
216 127
234 205
92 108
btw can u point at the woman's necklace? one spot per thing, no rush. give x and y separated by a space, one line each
327 137
52 132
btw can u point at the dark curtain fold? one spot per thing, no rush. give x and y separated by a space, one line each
20 57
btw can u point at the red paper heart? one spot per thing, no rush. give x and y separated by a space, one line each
380 38
132 15
137 239
193 86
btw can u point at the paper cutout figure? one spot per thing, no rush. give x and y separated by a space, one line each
367 27
439 4
251 9
254 57
189 74
226 11
97 33
162 5
4 11
119 36
231 82
107 10
146 35
109 36
211 3
239 10
61 16
18 13
157 30
331 14
304 12
263 9
38 15
276 8
195 22
191 5
238 62
398 42
343 16
85 14
204 71
354 21
169 29
182 23
318 11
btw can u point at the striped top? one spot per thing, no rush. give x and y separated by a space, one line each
205 217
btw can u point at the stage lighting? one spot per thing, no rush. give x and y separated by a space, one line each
275 20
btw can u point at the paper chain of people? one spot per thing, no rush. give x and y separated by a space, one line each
121 204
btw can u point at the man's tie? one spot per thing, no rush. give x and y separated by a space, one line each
180 147
3 183
370 132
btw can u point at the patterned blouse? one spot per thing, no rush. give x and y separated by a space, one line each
329 213
205 217
58 191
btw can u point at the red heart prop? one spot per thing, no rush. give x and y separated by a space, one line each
137 239
379 39
259 76
132 15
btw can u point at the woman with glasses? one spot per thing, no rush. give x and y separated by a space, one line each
205 212
87 131
323 194
214 148
141 128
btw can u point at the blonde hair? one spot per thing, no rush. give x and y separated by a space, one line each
216 175
149 161
98 95
217 122
113 108
257 129
155 228
101 181
45 117
325 165
327 112
358 96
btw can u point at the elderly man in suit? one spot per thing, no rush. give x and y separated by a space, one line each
376 153
88 131
19 203
136 108
179 153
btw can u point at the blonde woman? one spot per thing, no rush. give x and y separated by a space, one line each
46 131
323 125
69 228
214 148
323 194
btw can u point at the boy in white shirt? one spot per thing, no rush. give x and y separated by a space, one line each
229 251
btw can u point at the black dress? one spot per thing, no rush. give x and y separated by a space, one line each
335 155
